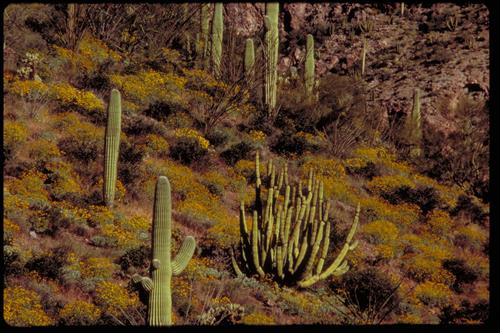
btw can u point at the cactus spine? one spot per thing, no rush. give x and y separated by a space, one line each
290 234
309 67
112 146
217 35
162 266
249 58
271 52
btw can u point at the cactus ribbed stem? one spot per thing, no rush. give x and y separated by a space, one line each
271 53
249 59
111 147
309 66
162 265
217 36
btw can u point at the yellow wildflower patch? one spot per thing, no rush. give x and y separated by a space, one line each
22 307
191 133
70 96
80 313
113 298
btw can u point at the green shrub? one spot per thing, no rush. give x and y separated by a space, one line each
137 257
236 152
188 150
49 265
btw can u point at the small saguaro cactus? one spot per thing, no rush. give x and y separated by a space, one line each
290 235
271 54
162 266
363 57
309 67
203 39
217 35
112 146
249 58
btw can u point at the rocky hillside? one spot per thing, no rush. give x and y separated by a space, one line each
142 87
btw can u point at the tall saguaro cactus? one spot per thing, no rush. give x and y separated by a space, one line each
249 58
217 35
162 266
290 235
413 126
271 53
202 50
112 146
310 66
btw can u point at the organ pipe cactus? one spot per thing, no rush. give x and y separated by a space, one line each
309 67
162 266
112 146
249 58
271 53
217 35
289 237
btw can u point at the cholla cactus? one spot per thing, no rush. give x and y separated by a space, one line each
162 266
290 235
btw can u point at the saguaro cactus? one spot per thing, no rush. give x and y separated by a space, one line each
290 235
271 53
413 126
162 266
112 146
309 67
363 57
217 35
249 58
203 37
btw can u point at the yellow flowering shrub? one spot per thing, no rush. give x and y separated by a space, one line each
380 231
323 167
191 133
69 96
22 307
179 120
112 298
380 155
439 222
388 184
258 318
402 214
30 89
79 313
148 86
246 168
30 186
433 293
156 145
14 134
64 179
43 150
120 190
448 194
98 268
423 268
472 236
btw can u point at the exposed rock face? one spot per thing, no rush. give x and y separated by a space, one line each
420 49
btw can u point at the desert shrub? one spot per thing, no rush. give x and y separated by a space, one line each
471 236
427 198
246 169
466 313
83 141
98 268
160 110
156 145
12 261
22 307
289 144
386 185
188 150
467 205
112 298
223 314
424 268
136 257
258 318
43 151
131 156
439 221
367 170
14 134
70 98
139 125
215 182
433 293
237 152
368 291
218 137
78 313
380 231
49 265
463 273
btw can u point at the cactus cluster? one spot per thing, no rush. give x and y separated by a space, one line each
162 266
271 53
290 235
112 146
217 35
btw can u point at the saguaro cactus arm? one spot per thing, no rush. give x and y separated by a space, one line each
185 253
